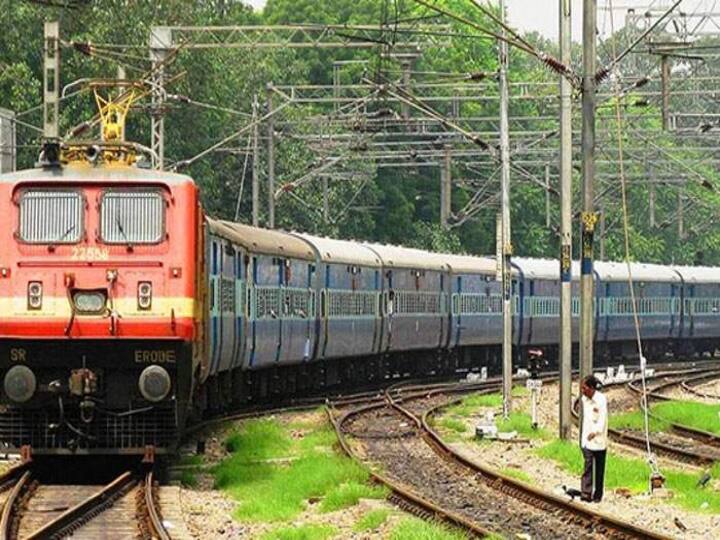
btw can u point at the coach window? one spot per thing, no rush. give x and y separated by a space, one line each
132 217
51 216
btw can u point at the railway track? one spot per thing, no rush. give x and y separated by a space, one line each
125 508
682 443
426 474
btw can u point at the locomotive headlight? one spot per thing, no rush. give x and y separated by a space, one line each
20 384
89 302
35 295
144 295
154 383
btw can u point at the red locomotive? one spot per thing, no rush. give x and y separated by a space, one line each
99 303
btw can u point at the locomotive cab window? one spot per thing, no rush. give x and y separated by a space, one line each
132 217
50 216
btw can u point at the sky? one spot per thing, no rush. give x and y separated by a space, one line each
542 15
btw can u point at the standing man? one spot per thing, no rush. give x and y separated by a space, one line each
593 439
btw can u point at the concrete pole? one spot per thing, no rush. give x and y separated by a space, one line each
602 231
121 76
665 90
565 360
404 107
547 196
271 158
652 203
8 151
505 211
51 81
588 216
326 199
681 214
160 43
336 86
255 164
446 188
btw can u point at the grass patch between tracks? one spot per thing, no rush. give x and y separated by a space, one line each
688 413
472 403
301 532
273 470
633 474
417 529
517 474
522 423
452 424
372 520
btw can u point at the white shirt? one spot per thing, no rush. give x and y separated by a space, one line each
594 420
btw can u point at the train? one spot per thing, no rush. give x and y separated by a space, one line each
126 312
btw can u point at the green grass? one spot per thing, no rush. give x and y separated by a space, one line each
301 532
417 529
688 413
372 520
636 421
633 473
349 493
691 414
188 478
278 490
469 405
522 423
517 474
472 403
453 424
191 464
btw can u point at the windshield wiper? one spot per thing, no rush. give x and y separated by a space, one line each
65 234
120 227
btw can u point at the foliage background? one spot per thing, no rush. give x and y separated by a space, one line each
394 205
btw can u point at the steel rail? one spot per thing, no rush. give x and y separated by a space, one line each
408 499
705 437
7 522
154 521
665 449
78 515
601 523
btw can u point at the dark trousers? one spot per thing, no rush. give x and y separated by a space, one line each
594 467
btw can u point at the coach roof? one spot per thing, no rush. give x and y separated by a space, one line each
265 241
468 264
342 251
414 259
618 271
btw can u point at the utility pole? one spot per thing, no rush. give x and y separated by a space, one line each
602 231
681 213
547 195
665 90
588 216
7 141
51 81
446 188
271 158
160 43
121 76
326 199
256 164
565 360
505 210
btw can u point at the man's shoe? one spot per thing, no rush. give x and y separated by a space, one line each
586 498
597 500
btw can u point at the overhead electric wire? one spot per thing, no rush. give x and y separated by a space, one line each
550 61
